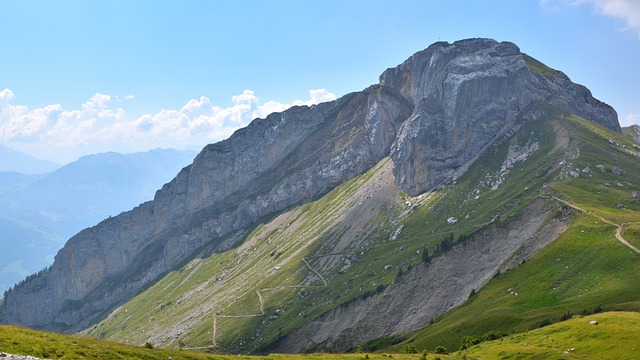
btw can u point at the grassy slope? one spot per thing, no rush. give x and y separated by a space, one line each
15 340
228 284
570 275
270 264
583 269
40 344
615 337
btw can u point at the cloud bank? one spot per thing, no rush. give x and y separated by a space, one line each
61 135
626 10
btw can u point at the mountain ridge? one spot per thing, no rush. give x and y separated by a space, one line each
15 161
433 115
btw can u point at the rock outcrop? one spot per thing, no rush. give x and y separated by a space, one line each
433 114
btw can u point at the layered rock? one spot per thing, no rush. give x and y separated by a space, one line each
433 114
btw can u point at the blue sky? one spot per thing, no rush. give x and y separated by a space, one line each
79 77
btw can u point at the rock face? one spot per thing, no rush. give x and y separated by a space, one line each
433 114
465 96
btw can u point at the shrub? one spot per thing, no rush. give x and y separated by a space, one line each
441 350
544 323
493 335
469 341
410 349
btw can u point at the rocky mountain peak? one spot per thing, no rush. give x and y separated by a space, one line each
433 114
466 95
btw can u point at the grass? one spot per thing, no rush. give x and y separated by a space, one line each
615 337
585 269
40 344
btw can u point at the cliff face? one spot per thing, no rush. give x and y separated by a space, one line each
465 96
433 114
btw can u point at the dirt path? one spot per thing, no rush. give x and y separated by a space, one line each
618 232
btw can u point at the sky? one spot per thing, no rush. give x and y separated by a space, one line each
83 77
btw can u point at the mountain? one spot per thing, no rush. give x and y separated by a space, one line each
328 226
38 213
15 161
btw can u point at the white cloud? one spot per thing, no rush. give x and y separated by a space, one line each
627 10
630 119
61 135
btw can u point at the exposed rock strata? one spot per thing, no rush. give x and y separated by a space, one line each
433 114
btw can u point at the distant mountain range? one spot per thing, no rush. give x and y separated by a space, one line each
15 161
38 213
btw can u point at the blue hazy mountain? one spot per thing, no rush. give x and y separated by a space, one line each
15 161
38 213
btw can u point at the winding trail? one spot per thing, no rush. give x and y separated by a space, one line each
618 233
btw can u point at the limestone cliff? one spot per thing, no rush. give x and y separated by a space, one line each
465 96
433 114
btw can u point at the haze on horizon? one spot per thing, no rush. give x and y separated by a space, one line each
84 78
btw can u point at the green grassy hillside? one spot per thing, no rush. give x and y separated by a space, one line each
614 337
586 270
41 344
283 275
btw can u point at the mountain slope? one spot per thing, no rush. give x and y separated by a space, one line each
435 116
349 267
615 337
586 269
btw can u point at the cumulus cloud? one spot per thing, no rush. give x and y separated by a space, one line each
62 135
626 10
